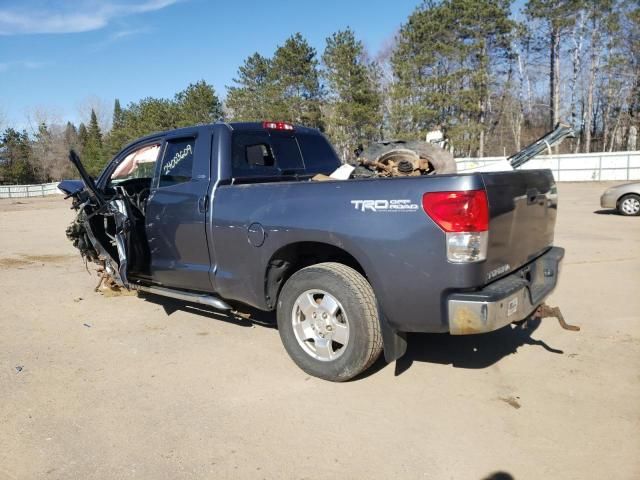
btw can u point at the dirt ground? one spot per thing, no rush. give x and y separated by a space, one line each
95 387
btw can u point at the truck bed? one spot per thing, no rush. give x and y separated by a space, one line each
401 250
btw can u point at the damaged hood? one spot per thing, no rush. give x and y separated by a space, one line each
71 187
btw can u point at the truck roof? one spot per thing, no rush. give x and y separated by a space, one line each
259 126
236 126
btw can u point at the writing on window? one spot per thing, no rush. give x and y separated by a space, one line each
177 162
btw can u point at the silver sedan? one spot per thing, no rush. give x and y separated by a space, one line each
624 198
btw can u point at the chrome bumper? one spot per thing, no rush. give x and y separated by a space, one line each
510 299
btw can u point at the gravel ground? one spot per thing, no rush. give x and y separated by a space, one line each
97 387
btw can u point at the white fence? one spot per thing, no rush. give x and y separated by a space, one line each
576 167
22 191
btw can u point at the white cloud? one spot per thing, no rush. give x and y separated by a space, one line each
118 36
127 33
39 16
26 64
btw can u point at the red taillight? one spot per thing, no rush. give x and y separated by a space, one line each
458 211
277 125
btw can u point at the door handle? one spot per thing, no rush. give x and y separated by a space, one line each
202 204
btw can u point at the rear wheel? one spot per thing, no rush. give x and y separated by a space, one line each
328 321
629 205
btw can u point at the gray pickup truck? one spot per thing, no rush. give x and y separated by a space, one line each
226 213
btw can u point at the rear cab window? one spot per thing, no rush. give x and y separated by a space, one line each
264 153
319 156
252 154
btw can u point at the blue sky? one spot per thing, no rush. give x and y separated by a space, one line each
56 55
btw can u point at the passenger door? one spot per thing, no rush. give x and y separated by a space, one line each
176 212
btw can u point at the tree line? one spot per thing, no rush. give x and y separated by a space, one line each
492 81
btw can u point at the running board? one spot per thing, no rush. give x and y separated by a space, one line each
200 298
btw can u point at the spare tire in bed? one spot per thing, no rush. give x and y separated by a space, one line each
396 157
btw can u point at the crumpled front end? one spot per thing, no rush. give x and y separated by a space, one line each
82 234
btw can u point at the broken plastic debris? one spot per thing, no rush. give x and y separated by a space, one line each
321 177
343 172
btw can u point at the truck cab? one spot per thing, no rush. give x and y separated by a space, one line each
165 184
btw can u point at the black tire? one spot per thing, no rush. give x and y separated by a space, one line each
634 200
356 298
441 160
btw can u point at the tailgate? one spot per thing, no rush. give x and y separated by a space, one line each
522 216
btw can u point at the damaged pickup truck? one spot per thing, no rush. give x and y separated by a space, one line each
229 212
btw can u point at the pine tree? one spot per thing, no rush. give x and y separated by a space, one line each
71 136
250 100
354 102
118 116
151 115
42 154
447 55
296 82
285 87
83 137
15 150
93 152
198 104
118 137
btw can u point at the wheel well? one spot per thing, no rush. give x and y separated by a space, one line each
288 260
625 195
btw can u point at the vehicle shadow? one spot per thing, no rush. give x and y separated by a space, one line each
242 315
499 476
606 212
463 351
470 351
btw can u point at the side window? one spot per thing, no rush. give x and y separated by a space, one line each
177 162
140 163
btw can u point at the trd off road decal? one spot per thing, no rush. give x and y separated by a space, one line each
177 158
395 205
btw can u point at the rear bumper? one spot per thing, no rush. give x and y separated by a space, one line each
510 299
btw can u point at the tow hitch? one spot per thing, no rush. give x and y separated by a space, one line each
545 311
